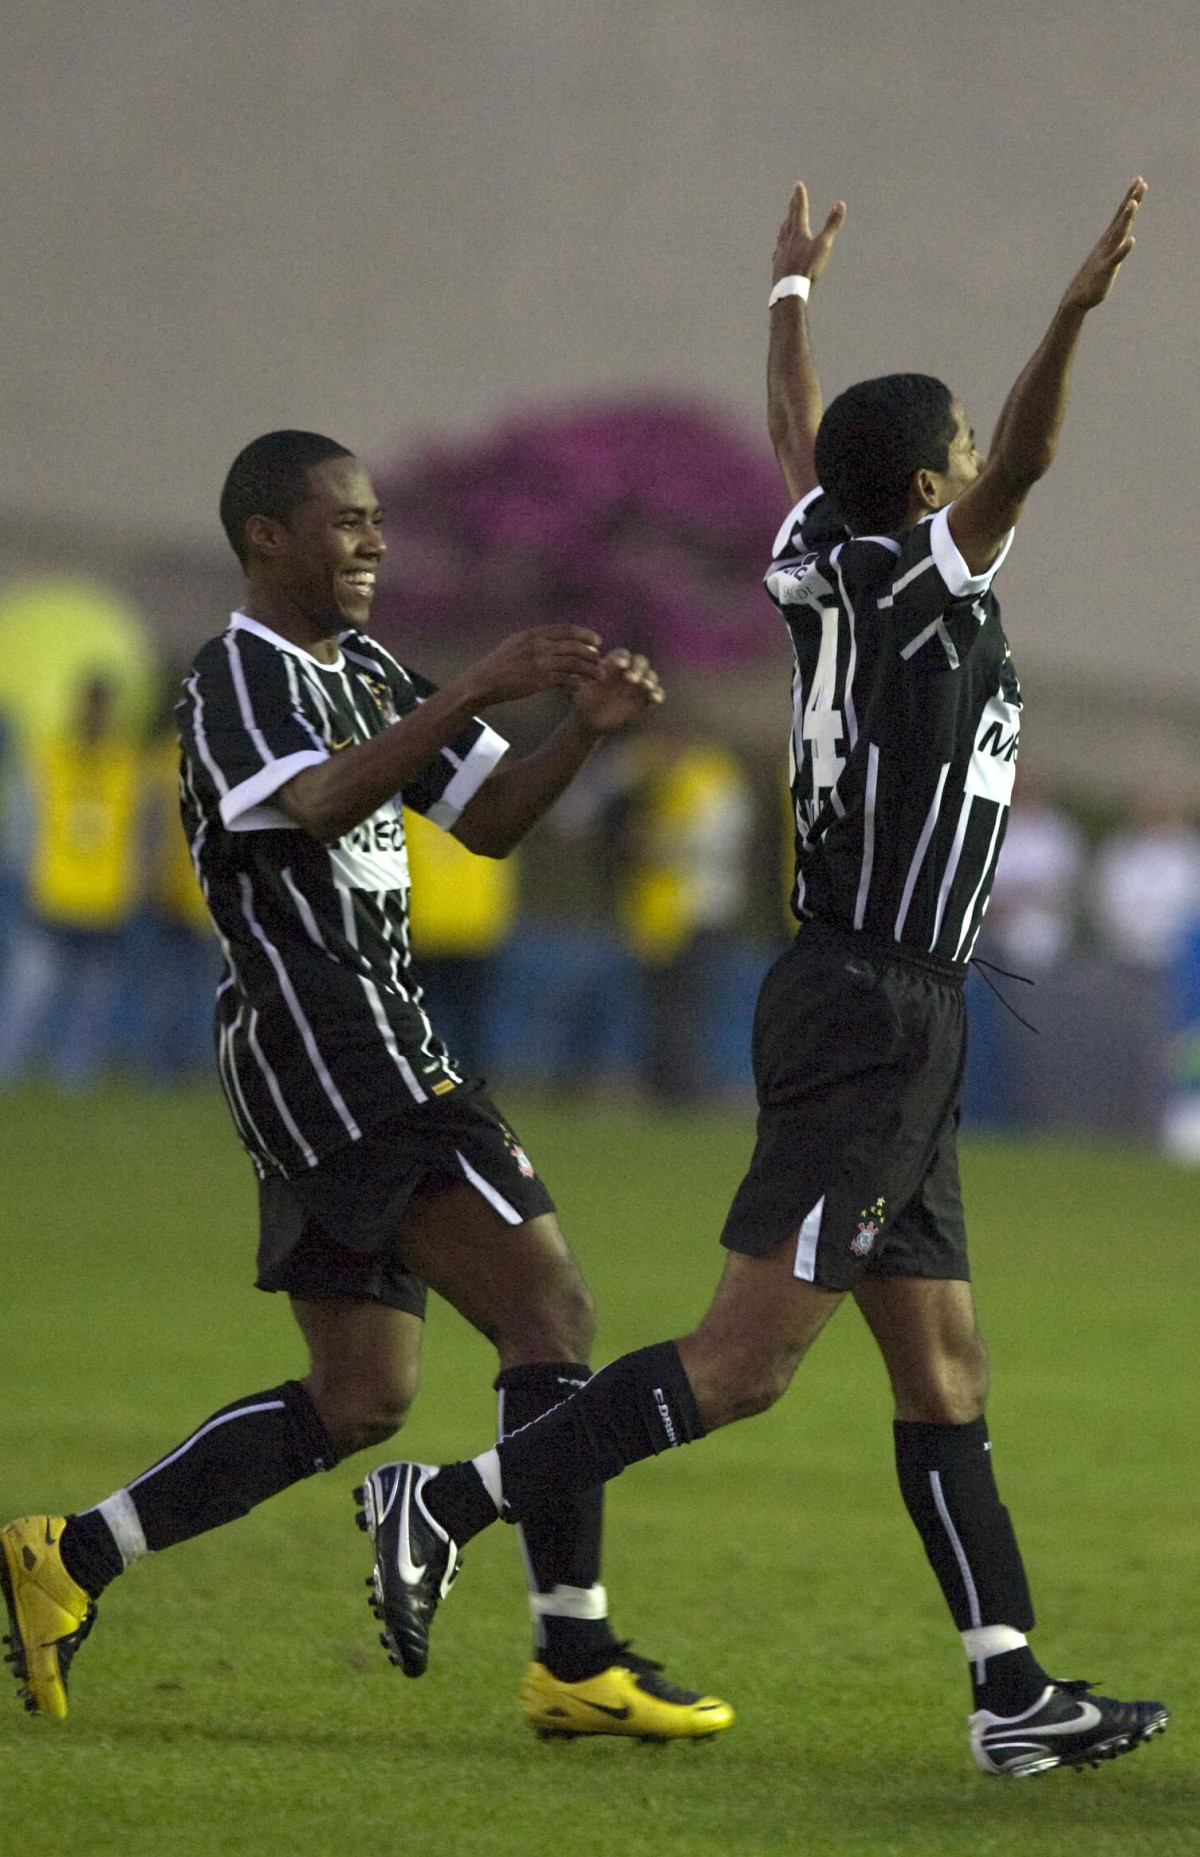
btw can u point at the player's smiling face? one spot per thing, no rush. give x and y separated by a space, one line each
337 545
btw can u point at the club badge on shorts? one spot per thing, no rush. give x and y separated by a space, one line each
870 1224
519 1155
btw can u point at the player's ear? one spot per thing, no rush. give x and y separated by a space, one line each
926 488
265 535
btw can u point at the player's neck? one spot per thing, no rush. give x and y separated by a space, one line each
280 614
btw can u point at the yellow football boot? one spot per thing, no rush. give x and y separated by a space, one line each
49 1616
629 1698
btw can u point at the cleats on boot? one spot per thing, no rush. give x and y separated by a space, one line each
629 1698
1067 1726
416 1562
49 1616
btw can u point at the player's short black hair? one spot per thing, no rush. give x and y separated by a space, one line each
874 437
269 477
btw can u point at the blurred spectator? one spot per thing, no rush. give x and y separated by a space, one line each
461 911
683 896
1031 921
1147 886
80 808
176 959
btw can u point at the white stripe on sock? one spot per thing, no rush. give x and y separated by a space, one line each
124 1525
222 1418
570 1602
488 1466
991 1641
964 1565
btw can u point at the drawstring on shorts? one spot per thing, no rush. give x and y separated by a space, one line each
976 961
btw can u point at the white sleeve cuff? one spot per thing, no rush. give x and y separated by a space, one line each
793 517
243 808
468 779
950 564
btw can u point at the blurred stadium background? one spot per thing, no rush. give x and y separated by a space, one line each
515 253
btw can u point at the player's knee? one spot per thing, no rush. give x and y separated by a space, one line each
766 1384
365 1413
740 1385
557 1324
969 1381
577 1319
954 1389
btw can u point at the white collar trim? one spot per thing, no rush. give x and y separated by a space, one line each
242 622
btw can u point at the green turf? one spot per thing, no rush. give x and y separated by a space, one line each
233 1699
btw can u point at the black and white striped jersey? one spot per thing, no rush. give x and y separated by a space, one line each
905 728
320 1026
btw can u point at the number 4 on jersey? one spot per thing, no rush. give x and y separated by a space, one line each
821 727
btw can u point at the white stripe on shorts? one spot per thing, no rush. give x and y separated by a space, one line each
806 1243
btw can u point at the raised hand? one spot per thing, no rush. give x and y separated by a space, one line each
542 658
797 252
626 690
1098 272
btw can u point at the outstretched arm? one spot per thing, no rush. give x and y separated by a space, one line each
1026 436
517 795
794 403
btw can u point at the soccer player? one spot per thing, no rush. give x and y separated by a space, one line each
904 737
382 1166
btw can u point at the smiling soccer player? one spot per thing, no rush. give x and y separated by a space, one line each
383 1167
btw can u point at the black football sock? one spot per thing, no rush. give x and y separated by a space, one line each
946 1480
89 1552
634 1408
572 1636
235 1460
1011 1681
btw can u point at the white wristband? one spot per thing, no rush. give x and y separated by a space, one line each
790 287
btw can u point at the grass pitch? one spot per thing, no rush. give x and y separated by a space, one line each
233 1699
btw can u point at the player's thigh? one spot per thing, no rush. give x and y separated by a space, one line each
365 1355
518 1284
927 1331
760 1324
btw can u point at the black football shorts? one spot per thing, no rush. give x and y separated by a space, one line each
335 1230
859 1057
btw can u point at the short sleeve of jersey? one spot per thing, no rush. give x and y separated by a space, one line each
243 726
937 603
441 790
814 525
816 522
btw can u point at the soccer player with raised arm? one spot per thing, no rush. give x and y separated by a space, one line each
904 739
383 1167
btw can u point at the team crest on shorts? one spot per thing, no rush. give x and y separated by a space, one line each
519 1155
870 1224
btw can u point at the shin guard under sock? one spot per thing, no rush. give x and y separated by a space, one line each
572 1636
634 1408
238 1458
946 1480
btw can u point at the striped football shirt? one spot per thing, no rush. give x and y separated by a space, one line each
906 724
320 1027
